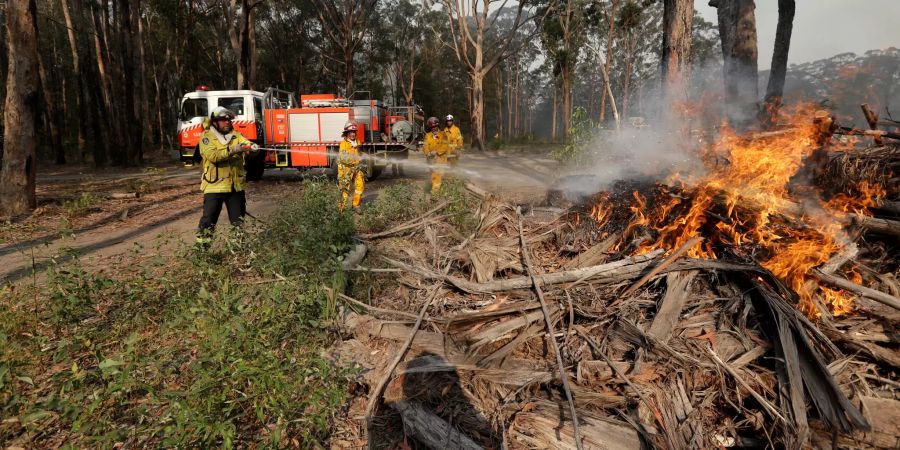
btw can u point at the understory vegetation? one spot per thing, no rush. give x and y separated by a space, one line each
221 349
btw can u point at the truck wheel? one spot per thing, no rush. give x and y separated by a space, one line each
373 171
332 168
255 166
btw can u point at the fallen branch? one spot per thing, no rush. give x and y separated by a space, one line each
379 388
353 301
431 430
409 224
661 266
550 332
623 269
869 293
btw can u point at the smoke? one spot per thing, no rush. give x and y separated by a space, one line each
669 140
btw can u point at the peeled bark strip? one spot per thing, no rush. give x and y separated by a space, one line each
678 290
544 424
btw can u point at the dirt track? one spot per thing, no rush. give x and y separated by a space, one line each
168 218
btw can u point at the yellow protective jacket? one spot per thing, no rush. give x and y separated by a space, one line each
435 144
222 171
348 154
454 139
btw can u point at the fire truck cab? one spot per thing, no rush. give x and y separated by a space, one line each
305 134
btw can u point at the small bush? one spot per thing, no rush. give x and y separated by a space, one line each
306 234
82 205
580 134
395 204
72 293
461 207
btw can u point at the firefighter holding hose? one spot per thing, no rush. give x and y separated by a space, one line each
350 174
435 150
224 178
454 140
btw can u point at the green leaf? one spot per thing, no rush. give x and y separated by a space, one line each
35 416
109 365
25 379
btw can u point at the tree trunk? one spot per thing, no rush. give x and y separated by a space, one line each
778 72
610 38
17 173
566 76
51 115
553 121
629 73
478 111
348 70
499 88
133 154
251 46
71 26
678 16
142 70
102 151
737 29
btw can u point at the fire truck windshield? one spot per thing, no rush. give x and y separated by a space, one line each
194 107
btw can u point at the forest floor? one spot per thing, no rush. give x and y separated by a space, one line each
75 219
113 334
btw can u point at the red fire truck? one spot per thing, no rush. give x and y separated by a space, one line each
305 134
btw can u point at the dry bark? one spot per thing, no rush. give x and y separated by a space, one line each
678 16
547 425
737 30
778 71
17 173
678 290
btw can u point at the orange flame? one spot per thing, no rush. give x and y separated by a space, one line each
753 187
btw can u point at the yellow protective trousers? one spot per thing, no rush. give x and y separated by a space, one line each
350 179
437 172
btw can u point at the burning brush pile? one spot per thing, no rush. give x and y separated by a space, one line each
751 304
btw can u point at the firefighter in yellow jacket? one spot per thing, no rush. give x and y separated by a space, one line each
224 177
350 172
454 140
435 150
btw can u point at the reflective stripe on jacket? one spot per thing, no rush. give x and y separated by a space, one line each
222 171
348 153
435 144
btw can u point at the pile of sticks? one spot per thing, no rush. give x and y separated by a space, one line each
533 331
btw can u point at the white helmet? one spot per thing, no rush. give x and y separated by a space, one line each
349 126
449 117
221 112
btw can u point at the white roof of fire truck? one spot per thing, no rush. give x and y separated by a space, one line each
205 94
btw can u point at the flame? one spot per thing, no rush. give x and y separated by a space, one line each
754 197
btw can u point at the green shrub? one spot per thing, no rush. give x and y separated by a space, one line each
461 205
580 134
82 205
306 234
395 204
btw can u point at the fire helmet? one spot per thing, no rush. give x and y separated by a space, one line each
349 126
432 123
221 113
449 117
